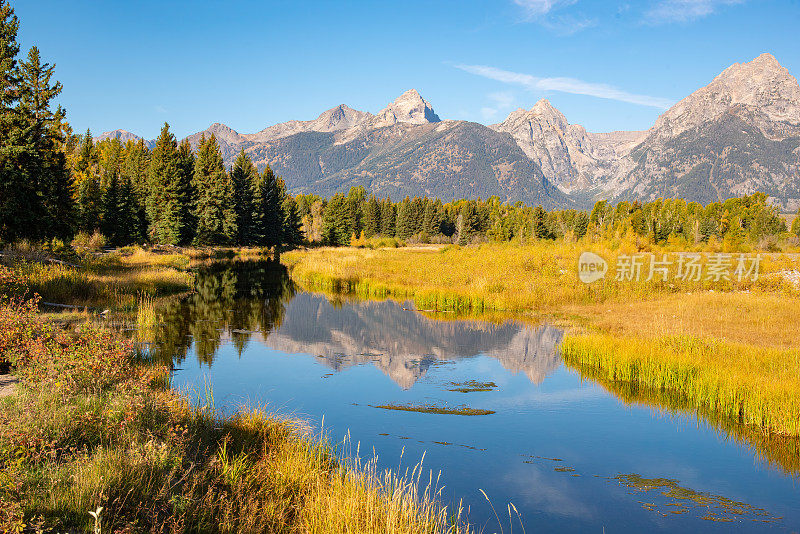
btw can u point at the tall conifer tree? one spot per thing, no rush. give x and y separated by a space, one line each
214 211
165 200
372 217
134 171
15 188
337 224
187 192
388 218
47 165
243 175
292 233
267 210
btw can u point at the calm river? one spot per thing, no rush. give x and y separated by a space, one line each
569 453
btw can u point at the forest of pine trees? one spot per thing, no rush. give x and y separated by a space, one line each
54 184
344 218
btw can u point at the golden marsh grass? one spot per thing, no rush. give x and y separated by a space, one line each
754 386
540 277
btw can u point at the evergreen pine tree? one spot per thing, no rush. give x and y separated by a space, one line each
33 160
355 203
267 210
89 203
134 172
437 218
388 218
416 213
45 130
291 234
186 190
372 217
165 202
581 224
127 207
43 126
336 224
242 178
214 210
110 161
539 229
470 222
16 189
87 157
109 214
404 226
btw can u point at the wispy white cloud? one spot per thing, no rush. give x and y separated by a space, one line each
565 85
667 11
160 109
488 113
542 12
500 101
537 8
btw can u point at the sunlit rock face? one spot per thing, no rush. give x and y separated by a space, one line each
737 135
409 107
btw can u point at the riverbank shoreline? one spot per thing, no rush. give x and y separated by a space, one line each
726 346
93 423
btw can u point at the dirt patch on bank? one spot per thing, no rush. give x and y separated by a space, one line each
7 384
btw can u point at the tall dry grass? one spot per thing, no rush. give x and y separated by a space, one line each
754 386
500 276
94 425
114 281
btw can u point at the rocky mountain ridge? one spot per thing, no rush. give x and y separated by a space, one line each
737 135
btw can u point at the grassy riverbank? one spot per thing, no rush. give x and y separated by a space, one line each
94 424
118 279
754 386
501 276
724 347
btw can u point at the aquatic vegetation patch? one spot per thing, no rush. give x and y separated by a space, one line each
680 500
471 386
533 456
435 409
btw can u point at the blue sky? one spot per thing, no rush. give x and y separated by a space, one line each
609 65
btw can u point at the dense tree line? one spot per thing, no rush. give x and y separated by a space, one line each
35 185
54 183
178 196
343 218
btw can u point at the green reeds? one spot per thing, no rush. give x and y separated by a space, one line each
753 386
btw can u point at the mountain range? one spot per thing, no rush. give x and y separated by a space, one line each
737 135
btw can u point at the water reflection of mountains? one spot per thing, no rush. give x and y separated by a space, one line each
256 302
405 344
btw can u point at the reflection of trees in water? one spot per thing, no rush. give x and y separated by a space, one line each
782 452
230 300
249 301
